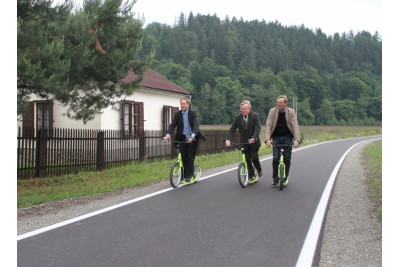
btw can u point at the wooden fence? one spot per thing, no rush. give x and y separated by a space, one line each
54 152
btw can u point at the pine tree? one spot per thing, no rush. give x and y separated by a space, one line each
78 57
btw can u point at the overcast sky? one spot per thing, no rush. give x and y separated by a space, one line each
329 15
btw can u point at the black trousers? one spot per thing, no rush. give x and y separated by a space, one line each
188 152
251 153
276 152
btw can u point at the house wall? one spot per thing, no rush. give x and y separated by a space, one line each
153 106
62 121
153 102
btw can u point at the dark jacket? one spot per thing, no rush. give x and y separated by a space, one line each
177 121
252 131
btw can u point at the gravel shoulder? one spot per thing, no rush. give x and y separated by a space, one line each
352 235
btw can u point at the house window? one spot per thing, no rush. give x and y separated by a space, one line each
132 118
43 115
168 115
129 118
39 114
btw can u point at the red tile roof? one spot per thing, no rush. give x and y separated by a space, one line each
154 80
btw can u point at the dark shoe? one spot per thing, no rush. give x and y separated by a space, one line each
259 173
186 181
253 180
286 181
275 182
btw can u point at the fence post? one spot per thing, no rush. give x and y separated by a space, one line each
142 145
100 151
41 152
37 156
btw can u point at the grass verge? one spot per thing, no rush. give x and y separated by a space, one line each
372 157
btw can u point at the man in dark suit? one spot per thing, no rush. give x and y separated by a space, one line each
249 127
187 131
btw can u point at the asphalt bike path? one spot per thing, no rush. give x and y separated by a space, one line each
212 223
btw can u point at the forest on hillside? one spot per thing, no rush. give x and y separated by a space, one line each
329 80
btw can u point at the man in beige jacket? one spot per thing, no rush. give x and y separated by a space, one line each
282 128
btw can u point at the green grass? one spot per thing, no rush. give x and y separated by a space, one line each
372 156
44 190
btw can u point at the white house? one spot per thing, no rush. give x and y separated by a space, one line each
150 107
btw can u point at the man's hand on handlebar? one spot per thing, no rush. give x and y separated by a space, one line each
268 143
296 144
252 140
227 143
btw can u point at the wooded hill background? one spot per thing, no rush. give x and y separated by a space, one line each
330 80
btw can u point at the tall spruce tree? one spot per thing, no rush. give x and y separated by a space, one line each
78 57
